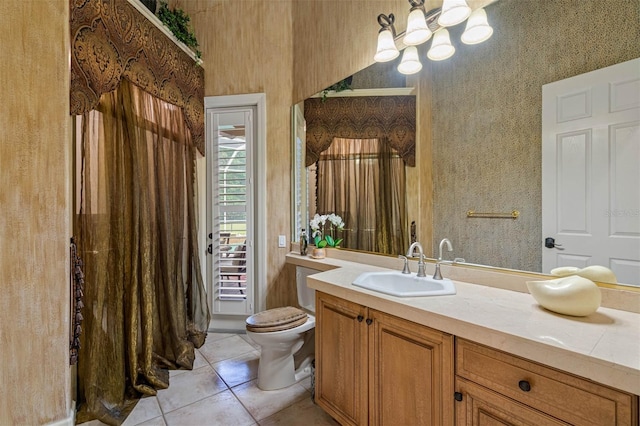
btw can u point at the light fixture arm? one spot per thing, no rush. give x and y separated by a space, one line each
386 23
416 4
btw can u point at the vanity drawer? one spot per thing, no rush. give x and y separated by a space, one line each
567 397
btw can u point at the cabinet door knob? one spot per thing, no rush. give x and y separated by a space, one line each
360 318
369 321
457 396
524 385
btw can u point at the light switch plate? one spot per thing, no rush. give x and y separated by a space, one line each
282 241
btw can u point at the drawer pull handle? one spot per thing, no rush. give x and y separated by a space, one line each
369 321
524 385
360 318
457 396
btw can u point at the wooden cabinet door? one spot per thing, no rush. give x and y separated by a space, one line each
482 407
410 373
341 359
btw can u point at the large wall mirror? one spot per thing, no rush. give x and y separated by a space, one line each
484 125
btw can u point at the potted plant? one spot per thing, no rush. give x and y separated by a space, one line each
323 232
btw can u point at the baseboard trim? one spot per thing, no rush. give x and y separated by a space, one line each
228 323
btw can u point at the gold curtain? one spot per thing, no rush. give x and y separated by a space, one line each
110 41
392 118
363 181
145 303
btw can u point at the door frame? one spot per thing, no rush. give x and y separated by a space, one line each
259 101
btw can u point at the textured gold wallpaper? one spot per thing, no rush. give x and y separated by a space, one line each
487 117
35 210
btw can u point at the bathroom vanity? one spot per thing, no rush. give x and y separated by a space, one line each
486 355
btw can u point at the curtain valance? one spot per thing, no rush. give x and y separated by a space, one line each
110 40
390 118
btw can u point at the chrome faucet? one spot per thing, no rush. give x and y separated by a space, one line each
405 269
437 275
421 272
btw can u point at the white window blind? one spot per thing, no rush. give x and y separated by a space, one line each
232 199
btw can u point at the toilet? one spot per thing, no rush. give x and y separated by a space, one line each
286 338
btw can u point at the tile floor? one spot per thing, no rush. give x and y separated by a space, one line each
222 390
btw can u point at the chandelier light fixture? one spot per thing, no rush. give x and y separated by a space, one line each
417 29
387 50
410 64
422 26
477 29
441 47
453 12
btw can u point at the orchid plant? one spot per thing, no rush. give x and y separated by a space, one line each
319 233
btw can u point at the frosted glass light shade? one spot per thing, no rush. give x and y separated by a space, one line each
417 30
478 29
453 12
441 47
410 63
387 49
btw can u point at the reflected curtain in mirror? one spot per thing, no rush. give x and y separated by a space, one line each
363 181
392 118
144 295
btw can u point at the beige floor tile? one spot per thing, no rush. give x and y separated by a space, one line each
198 362
220 409
146 409
158 421
306 383
212 337
302 412
226 348
190 387
249 341
261 404
93 423
238 370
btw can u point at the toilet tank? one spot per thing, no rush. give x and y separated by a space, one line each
306 295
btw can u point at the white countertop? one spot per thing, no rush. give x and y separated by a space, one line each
603 347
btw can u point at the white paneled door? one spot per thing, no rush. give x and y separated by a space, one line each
231 210
591 171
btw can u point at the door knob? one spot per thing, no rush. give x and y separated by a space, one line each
550 242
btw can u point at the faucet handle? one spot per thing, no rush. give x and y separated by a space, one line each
405 269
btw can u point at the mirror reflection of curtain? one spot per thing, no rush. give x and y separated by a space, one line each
145 304
363 181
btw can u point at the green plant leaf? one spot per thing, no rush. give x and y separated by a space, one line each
338 241
316 240
178 23
321 244
330 241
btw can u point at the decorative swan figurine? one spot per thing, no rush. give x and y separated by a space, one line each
572 295
593 273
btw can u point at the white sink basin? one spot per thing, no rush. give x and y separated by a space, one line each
398 284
